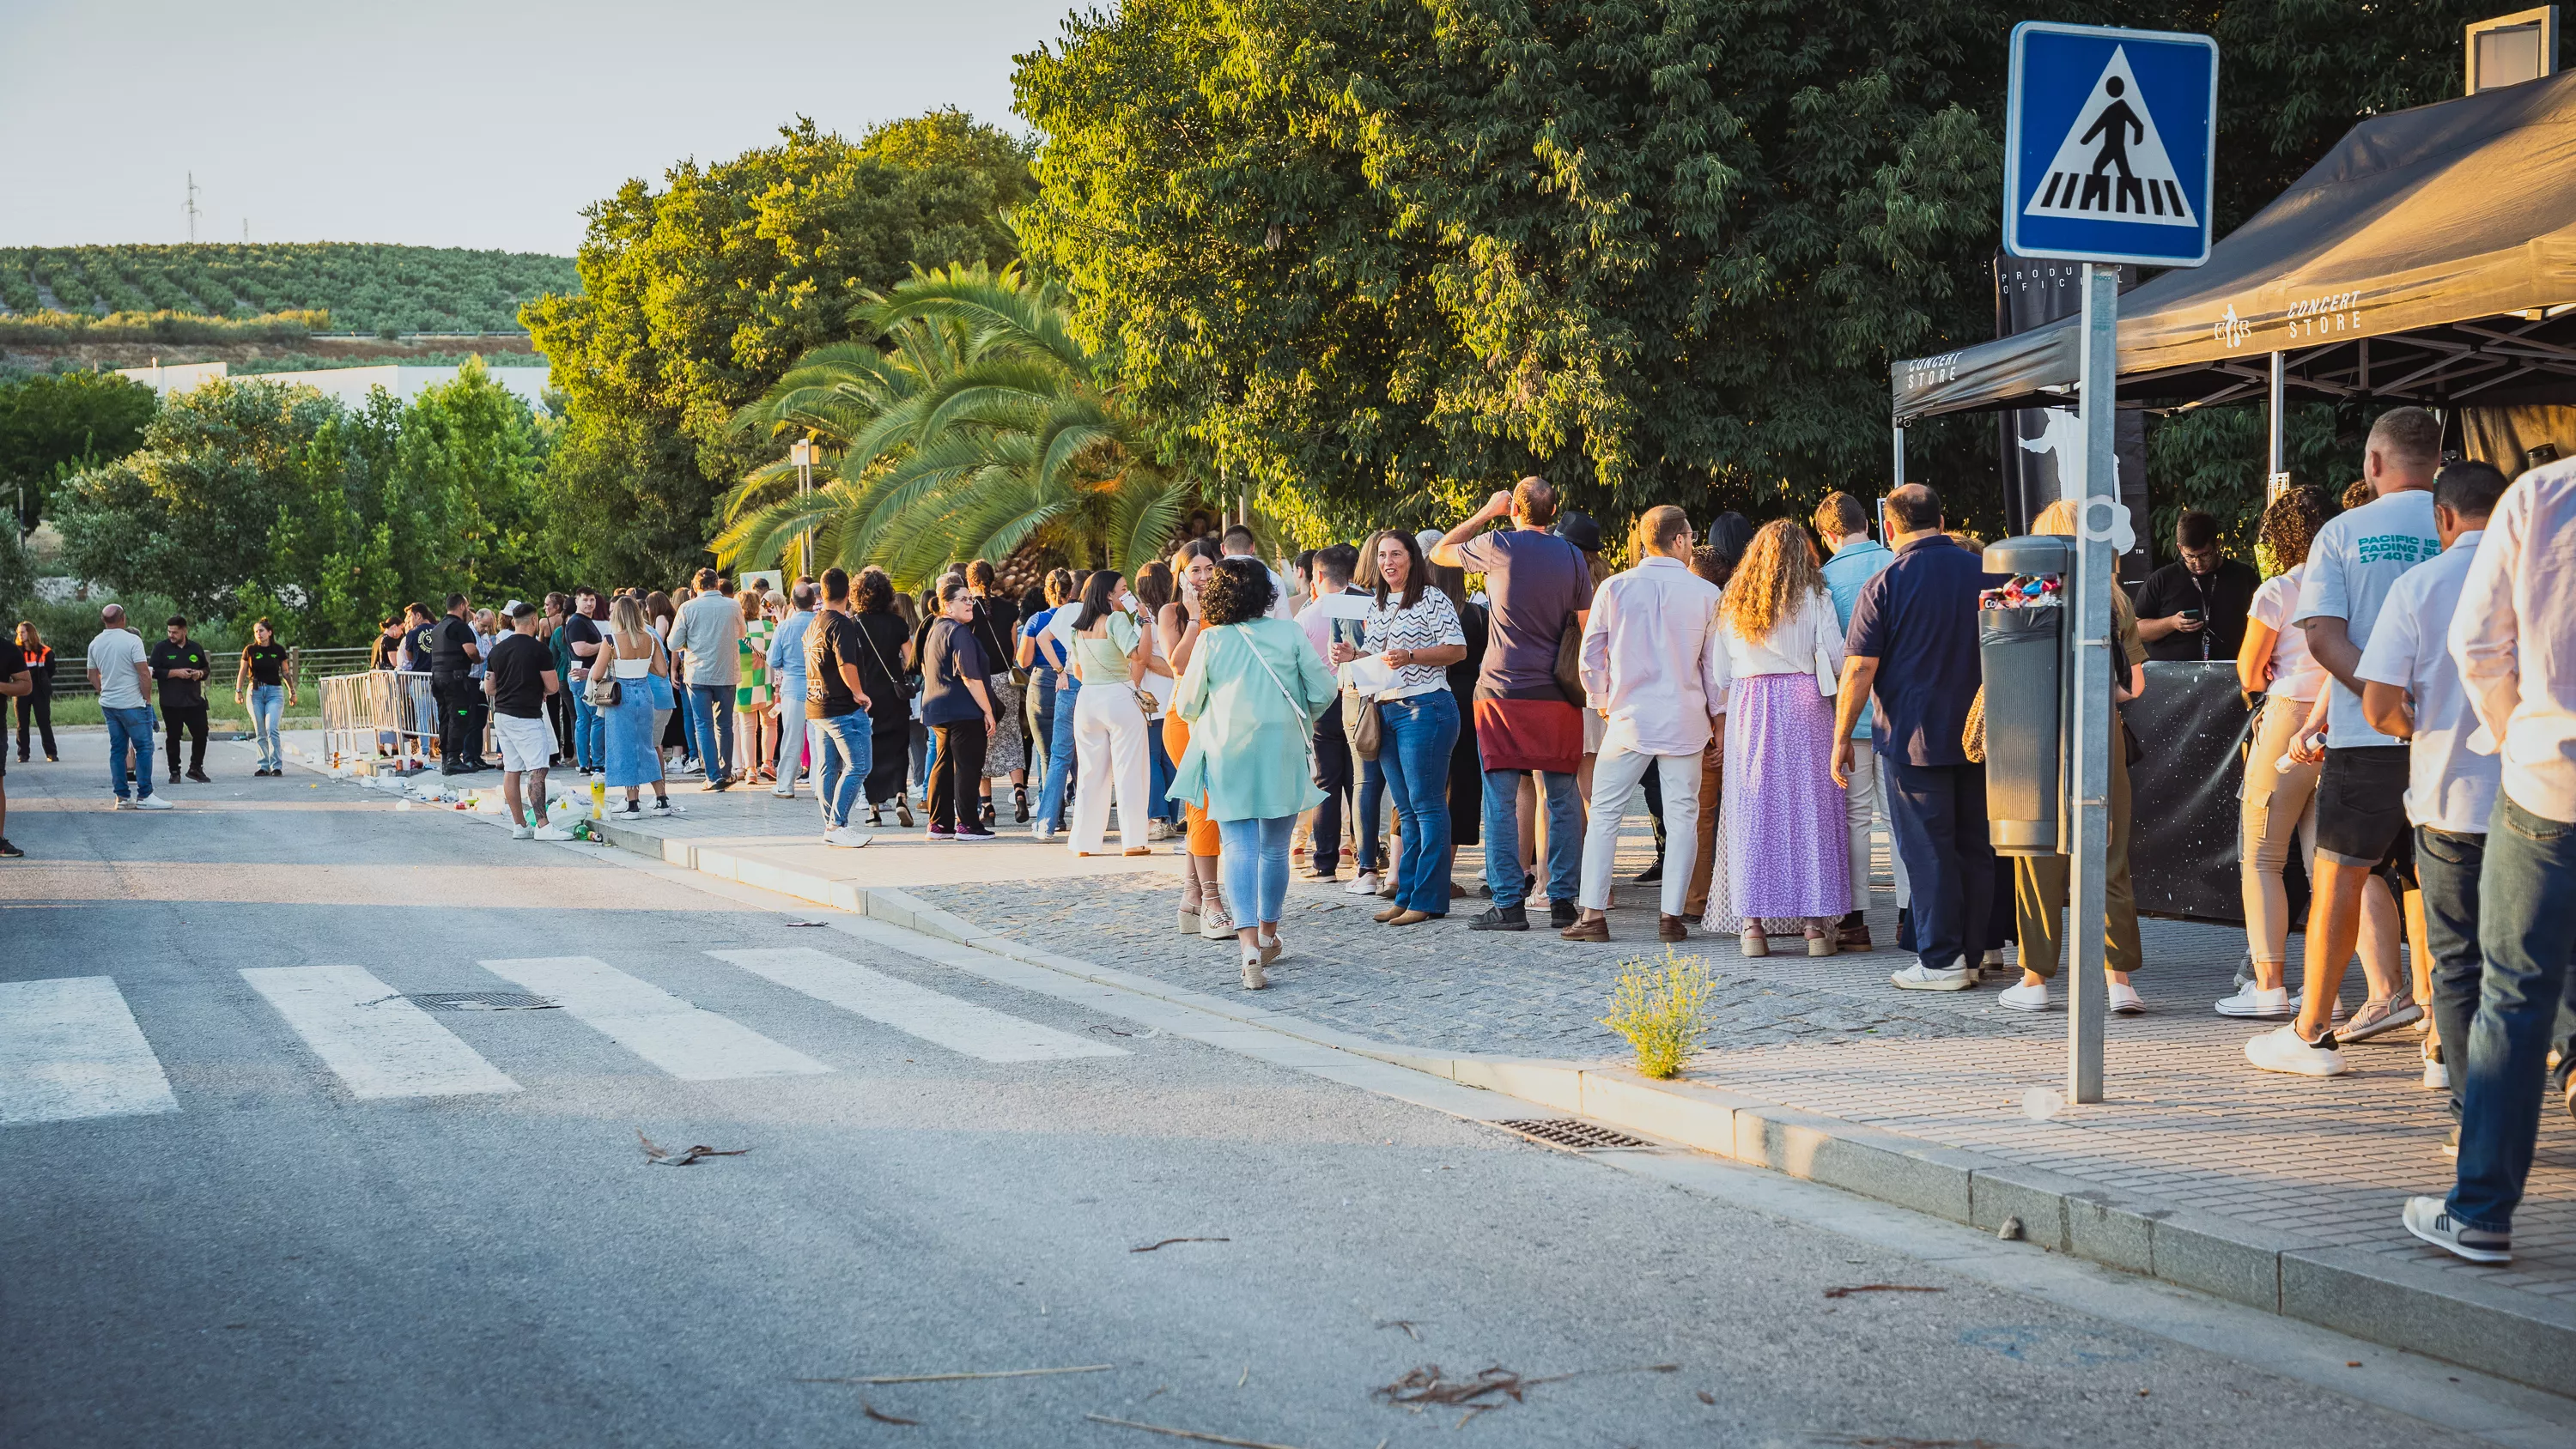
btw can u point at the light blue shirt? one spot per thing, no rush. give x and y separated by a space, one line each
787 649
1853 565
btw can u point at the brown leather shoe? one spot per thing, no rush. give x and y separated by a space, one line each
1597 929
1853 938
1671 928
1389 914
1411 918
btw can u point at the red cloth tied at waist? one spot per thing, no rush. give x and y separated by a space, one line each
1529 734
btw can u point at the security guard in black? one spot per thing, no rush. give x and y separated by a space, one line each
180 664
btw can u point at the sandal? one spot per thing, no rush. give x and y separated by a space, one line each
1753 943
2376 1017
1020 804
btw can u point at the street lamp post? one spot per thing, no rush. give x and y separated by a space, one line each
801 452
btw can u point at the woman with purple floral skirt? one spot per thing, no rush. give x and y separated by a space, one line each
1787 849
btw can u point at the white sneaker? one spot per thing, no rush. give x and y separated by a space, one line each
1041 832
151 802
2125 1001
555 832
2299 999
1363 884
2253 1001
2429 1218
662 809
523 832
2437 1075
2029 996
2282 1050
1917 978
845 836
785 792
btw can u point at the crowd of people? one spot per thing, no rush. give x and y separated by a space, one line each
1776 693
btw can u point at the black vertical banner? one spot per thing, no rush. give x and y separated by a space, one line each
2034 440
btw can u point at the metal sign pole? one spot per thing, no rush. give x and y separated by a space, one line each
2088 687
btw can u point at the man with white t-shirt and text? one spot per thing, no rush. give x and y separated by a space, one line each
2410 689
120 669
2354 563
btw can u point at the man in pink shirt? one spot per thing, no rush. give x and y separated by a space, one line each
1650 666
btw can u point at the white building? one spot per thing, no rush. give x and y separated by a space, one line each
350 385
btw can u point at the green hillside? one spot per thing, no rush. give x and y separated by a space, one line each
366 287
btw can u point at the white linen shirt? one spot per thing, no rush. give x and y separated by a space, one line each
2514 638
1651 658
1793 648
2447 786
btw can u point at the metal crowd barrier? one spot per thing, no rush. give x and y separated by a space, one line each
378 719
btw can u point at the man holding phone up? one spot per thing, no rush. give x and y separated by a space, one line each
2194 610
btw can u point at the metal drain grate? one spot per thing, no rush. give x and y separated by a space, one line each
1571 1132
484 1001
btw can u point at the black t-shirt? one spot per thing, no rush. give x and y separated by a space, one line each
449 638
2224 596
13 660
518 674
880 661
167 656
831 641
581 629
423 644
997 622
949 659
267 663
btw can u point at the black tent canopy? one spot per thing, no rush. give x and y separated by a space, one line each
2429 258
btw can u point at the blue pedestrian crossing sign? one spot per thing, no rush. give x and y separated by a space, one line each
2108 153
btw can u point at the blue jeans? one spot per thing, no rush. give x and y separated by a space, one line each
267 715
1418 734
1938 816
842 759
1059 770
2447 866
714 737
2526 928
1372 798
1158 770
589 731
1253 864
1503 837
129 728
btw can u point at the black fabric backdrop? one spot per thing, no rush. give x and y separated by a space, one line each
2183 835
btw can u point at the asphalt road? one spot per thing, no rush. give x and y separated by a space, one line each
275 1259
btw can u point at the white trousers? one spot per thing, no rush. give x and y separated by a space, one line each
1108 748
1615 775
1860 811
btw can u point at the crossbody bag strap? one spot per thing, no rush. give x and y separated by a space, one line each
1305 732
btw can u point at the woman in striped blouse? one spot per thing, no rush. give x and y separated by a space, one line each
1415 632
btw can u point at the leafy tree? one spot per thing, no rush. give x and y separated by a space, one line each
52 419
254 497
1384 253
983 426
698 296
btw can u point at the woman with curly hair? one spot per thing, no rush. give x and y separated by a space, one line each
1251 692
1781 656
2279 804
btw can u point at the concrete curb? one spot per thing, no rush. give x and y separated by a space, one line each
2369 1295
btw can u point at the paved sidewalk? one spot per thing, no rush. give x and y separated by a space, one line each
2318 1164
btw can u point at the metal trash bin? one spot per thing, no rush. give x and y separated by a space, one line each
2022 652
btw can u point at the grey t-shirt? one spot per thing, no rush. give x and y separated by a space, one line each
1534 584
114 653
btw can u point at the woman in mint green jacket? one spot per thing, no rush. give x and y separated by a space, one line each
1251 695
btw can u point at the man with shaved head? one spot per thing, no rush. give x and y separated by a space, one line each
1913 646
120 669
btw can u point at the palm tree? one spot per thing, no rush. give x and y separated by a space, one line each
979 427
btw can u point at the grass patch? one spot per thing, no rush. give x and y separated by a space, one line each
223 714
1660 1005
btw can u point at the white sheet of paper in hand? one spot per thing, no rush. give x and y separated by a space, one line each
1346 606
1369 674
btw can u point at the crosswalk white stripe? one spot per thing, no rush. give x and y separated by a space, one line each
70 1048
379 1042
692 1044
960 1026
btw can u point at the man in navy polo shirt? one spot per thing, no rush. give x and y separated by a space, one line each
1913 644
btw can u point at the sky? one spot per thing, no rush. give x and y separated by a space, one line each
473 123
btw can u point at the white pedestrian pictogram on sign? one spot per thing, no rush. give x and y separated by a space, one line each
2112 166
